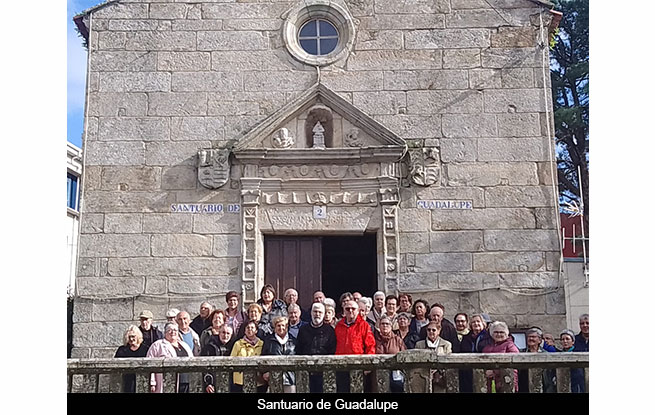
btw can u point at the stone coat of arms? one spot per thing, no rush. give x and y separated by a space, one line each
425 167
213 167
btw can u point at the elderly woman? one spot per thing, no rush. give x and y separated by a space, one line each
533 339
378 307
347 296
477 338
132 347
249 345
217 318
441 347
502 344
271 305
234 315
170 346
567 338
254 313
330 316
387 342
420 312
365 304
404 332
220 345
281 344
405 303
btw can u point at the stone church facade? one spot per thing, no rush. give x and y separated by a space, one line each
233 143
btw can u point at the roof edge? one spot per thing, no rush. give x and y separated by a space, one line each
79 19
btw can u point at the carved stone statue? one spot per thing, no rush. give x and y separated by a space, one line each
282 138
425 167
351 139
213 167
318 137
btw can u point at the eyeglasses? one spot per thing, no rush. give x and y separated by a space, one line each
432 330
350 308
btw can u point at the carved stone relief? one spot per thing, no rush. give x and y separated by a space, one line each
425 167
352 139
213 167
282 138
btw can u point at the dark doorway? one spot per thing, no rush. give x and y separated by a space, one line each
349 264
332 264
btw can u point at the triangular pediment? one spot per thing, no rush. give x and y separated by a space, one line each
318 119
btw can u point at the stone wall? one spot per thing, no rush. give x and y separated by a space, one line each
169 78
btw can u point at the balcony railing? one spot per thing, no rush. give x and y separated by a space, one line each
105 375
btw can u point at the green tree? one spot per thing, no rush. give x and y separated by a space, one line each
569 70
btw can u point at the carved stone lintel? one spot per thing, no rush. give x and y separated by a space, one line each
213 167
319 198
425 166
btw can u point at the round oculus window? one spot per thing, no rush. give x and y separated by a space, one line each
318 37
319 32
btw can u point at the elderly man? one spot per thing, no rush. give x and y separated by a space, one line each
448 331
378 307
295 323
150 333
462 325
187 334
202 321
316 338
354 336
318 297
171 315
582 339
291 297
533 339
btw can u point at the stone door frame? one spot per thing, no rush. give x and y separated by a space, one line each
348 181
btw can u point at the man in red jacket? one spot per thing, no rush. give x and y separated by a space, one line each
354 336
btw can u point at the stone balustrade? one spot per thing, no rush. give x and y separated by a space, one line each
105 375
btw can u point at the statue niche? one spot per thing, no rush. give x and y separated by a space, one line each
323 116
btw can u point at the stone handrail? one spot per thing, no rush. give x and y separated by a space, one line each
104 375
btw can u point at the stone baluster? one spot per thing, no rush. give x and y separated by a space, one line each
356 381
563 380
250 381
222 381
507 381
329 381
275 381
143 382
382 380
452 380
479 381
535 380
302 381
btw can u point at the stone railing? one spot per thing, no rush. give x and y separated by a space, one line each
105 375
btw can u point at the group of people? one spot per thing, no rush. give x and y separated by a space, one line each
384 324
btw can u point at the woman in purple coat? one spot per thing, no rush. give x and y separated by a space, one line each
502 344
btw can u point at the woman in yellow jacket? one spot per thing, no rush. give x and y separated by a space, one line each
249 345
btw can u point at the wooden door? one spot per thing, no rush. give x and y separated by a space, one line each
293 262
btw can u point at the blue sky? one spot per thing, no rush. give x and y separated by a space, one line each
76 69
